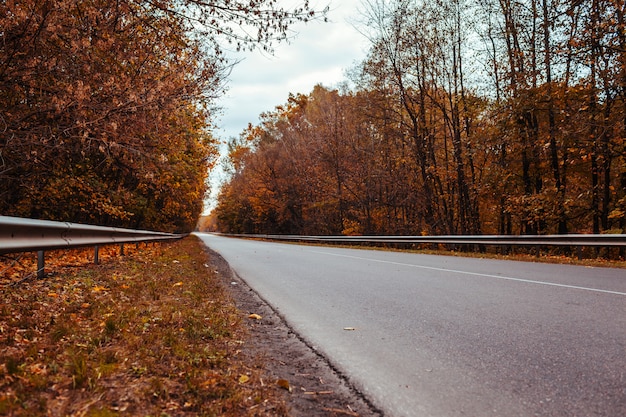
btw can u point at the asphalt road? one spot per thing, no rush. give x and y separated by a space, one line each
423 335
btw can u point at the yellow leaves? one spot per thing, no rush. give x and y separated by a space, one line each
178 284
113 97
255 316
243 379
98 289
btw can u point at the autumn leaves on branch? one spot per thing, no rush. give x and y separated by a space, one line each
467 117
106 107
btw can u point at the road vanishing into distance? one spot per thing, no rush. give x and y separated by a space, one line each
425 335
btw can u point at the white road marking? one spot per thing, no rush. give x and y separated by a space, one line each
529 281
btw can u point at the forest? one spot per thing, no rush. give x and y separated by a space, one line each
466 117
107 107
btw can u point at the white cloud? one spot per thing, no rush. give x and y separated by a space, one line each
318 54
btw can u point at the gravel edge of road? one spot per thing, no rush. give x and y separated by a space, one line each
316 387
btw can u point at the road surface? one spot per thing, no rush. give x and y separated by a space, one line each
423 335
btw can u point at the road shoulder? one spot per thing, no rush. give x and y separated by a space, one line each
314 387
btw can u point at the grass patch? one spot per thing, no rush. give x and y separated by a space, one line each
152 333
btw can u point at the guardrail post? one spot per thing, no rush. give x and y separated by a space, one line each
121 249
41 259
96 258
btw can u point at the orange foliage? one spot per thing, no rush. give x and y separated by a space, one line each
105 111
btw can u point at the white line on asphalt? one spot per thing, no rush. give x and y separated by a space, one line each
530 281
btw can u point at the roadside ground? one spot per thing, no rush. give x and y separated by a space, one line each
166 330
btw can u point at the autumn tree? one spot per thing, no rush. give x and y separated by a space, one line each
418 49
547 56
466 116
107 107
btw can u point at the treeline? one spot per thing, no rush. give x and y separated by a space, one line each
106 106
467 117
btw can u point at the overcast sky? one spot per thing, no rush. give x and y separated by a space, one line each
318 54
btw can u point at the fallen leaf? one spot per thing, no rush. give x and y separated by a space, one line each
178 284
209 382
38 369
255 316
243 379
283 383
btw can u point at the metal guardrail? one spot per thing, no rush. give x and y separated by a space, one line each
29 235
513 240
